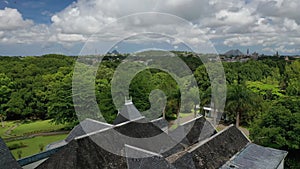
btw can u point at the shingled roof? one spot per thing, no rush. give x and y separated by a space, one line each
201 150
161 123
85 154
7 161
86 126
87 148
254 156
194 130
213 152
150 160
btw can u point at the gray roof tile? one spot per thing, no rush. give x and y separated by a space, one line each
7 161
255 156
85 127
148 160
215 151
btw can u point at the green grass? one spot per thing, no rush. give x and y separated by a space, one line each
36 127
28 128
33 144
182 115
7 125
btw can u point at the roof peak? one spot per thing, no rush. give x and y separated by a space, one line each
128 101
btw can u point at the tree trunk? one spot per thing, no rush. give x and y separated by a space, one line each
237 120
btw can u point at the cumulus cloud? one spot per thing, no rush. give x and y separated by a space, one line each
272 24
280 8
11 19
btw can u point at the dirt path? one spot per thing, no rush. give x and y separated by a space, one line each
49 133
7 132
36 134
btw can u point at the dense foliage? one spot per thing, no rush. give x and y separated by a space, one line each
262 95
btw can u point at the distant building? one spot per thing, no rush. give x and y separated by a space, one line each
286 58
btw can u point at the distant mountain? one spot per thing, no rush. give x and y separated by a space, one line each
234 53
114 52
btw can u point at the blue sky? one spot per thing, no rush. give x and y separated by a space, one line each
40 11
30 27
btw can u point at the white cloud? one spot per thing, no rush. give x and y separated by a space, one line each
272 24
281 49
11 19
70 37
280 8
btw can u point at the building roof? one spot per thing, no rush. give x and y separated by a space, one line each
213 152
7 161
87 147
150 160
83 153
195 130
202 148
161 123
254 156
127 112
86 126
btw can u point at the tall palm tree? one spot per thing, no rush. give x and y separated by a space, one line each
239 101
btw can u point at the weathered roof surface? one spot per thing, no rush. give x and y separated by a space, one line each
213 152
195 130
161 123
151 160
198 129
155 139
225 149
86 126
85 152
128 112
255 156
7 161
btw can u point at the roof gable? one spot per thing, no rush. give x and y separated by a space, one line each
127 113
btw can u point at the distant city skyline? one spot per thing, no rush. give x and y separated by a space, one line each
31 27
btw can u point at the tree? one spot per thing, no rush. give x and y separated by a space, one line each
5 91
239 101
278 128
168 85
293 79
60 105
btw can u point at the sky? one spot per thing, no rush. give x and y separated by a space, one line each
32 27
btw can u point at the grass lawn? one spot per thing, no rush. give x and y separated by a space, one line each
36 127
7 125
33 144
